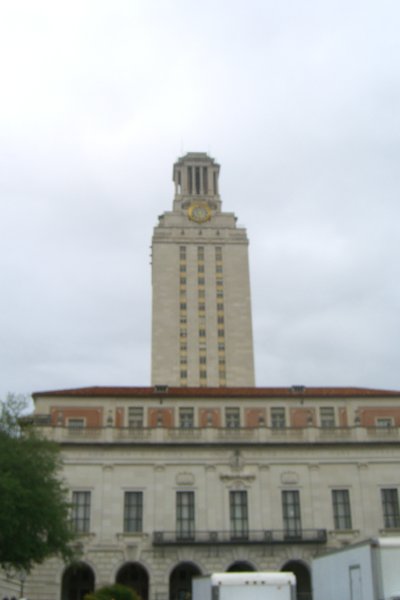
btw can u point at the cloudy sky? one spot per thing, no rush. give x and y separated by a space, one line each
299 101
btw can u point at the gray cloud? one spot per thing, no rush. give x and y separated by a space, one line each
299 103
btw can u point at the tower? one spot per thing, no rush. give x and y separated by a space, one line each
201 313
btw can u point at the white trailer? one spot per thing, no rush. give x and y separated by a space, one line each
369 570
245 586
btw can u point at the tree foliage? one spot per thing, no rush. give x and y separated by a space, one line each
113 592
34 512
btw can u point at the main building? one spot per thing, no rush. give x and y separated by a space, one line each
202 471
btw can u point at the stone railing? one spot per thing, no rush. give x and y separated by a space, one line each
213 435
265 537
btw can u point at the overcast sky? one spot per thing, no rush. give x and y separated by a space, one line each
299 101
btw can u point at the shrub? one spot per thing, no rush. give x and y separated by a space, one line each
113 592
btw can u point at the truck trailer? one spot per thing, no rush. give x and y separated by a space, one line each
245 586
369 570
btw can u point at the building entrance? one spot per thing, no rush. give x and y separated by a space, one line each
303 578
77 581
133 575
180 581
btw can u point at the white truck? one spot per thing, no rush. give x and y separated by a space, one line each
245 586
369 570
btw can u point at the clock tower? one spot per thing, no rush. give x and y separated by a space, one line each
201 313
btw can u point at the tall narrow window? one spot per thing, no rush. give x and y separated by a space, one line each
205 180
186 418
327 416
135 416
232 418
278 418
291 513
238 515
133 512
390 506
185 526
197 179
190 179
81 512
341 509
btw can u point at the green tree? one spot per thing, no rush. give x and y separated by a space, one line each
34 512
113 592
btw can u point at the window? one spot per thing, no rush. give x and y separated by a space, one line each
183 347
341 509
390 506
218 253
183 333
220 306
278 418
183 374
291 513
221 332
203 374
133 512
182 252
135 416
200 280
182 280
384 422
81 512
220 293
185 515
182 268
183 306
220 320
220 281
202 306
203 360
183 320
202 293
200 253
327 416
238 515
186 418
76 423
218 268
221 346
200 268
183 360
202 333
232 418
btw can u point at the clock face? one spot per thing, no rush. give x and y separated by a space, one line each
199 212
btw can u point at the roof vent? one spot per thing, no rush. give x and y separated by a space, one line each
298 389
160 389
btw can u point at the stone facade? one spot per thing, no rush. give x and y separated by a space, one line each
263 493
201 318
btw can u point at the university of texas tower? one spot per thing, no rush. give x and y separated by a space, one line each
201 318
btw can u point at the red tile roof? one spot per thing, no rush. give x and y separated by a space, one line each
218 392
